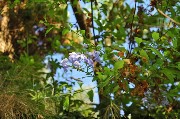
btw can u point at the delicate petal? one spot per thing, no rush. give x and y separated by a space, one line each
83 57
76 64
64 64
73 57
96 56
89 62
64 61
90 54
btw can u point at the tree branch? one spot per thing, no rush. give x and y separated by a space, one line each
80 17
168 17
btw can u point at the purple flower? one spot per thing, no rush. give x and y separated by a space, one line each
64 64
76 64
76 58
90 54
89 62
83 57
73 57
97 57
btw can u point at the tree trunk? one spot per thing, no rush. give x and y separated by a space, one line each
6 46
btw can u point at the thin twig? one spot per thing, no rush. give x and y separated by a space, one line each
168 17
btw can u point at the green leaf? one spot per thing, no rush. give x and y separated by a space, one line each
65 31
85 9
82 32
57 43
178 65
107 71
155 35
66 103
169 74
80 84
144 54
157 53
41 21
138 40
48 30
75 2
119 64
104 83
115 88
101 76
91 95
174 43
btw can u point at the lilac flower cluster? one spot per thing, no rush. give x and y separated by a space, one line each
76 58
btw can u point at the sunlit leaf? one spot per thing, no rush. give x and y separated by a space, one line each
157 53
119 64
115 88
65 31
174 43
144 54
155 35
66 103
48 30
82 32
169 74
138 40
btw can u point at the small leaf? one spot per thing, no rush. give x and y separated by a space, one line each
155 35
138 40
119 65
157 53
169 75
104 83
80 84
41 21
107 71
57 43
178 65
101 76
174 43
91 95
115 88
65 31
82 32
85 9
144 54
66 103
48 30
